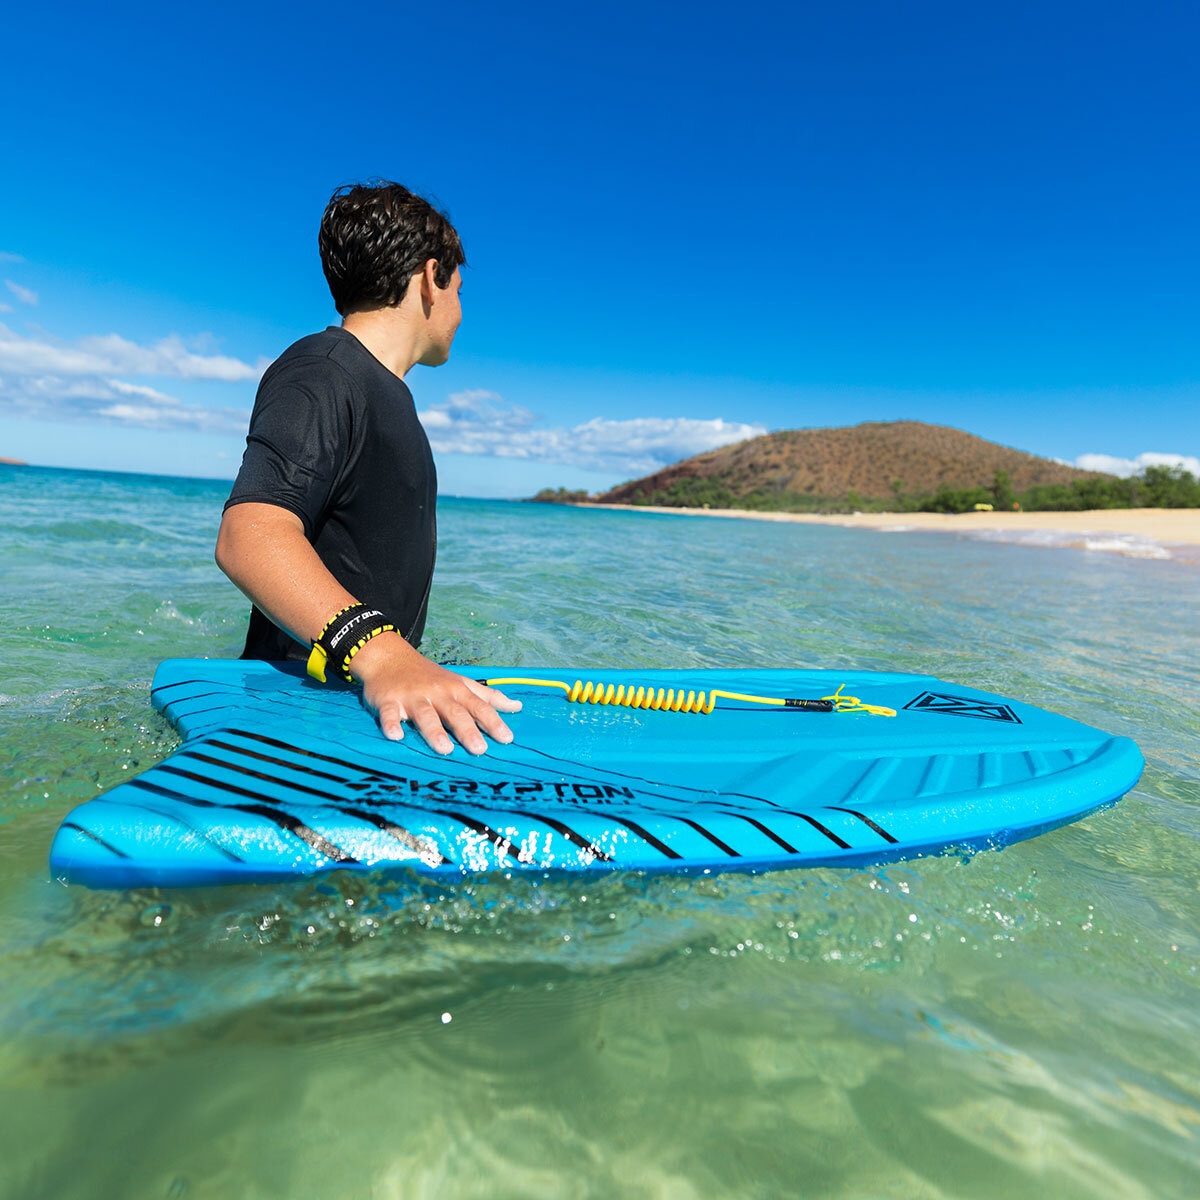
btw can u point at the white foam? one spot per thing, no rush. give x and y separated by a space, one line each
1129 545
168 611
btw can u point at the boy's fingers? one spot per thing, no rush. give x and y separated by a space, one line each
489 720
429 726
442 706
391 721
495 699
464 727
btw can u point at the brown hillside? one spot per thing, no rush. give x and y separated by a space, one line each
866 458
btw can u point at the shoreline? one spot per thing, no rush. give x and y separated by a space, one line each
1135 532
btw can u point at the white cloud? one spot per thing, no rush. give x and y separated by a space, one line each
24 294
111 354
1124 467
101 379
50 380
6 257
476 413
112 401
483 423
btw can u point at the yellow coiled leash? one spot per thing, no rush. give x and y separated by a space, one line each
672 700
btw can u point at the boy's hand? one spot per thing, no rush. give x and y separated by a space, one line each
400 684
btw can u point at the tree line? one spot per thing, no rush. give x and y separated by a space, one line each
1154 487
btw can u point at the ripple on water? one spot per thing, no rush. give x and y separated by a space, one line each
1020 1022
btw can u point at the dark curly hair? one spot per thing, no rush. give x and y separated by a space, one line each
375 237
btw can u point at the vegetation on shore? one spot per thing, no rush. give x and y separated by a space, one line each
898 466
560 496
1155 487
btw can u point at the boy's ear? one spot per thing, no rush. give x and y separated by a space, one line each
419 288
429 278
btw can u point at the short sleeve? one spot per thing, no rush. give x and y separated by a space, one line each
299 440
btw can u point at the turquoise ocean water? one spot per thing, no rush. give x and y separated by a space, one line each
1022 1023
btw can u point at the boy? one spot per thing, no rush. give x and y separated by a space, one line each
330 529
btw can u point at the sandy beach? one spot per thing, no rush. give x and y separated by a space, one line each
1141 532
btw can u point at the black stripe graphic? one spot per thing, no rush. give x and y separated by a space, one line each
173 714
427 850
306 833
645 835
508 772
769 832
469 822
558 826
162 687
165 687
357 768
833 837
193 830
253 774
513 771
712 837
264 807
638 829
481 827
402 835
883 833
567 832
275 762
95 838
300 750
224 693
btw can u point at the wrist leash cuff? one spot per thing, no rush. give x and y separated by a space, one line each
347 632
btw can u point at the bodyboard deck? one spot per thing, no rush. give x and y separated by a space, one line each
279 777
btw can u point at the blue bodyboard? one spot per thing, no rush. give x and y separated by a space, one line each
279 777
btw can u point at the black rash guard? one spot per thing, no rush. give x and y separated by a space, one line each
334 438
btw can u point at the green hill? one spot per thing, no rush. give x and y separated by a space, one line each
893 464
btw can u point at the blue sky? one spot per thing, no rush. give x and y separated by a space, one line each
685 224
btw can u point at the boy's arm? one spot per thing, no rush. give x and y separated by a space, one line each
263 550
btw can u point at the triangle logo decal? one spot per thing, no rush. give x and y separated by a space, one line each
961 706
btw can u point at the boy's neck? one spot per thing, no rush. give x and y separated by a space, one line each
389 335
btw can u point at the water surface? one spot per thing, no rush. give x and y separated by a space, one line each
1023 1022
